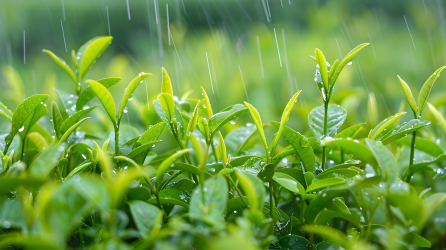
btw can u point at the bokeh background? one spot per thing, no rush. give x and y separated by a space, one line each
228 46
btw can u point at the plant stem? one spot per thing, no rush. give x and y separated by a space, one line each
213 151
237 189
271 203
412 148
342 156
201 168
23 148
117 140
325 134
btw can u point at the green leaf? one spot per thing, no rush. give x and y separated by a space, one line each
166 86
344 173
71 130
426 89
289 183
189 168
56 119
331 234
252 166
204 128
73 57
168 107
335 119
325 215
207 104
45 161
238 138
423 145
333 69
382 126
167 162
322 65
348 58
90 51
78 169
409 96
422 166
431 204
139 153
213 205
146 216
22 112
70 121
38 113
151 134
266 173
192 123
62 64
301 145
354 147
388 167
296 173
293 242
258 122
87 94
5 112
350 131
324 183
221 150
439 117
228 114
403 130
105 98
286 115
129 91
253 188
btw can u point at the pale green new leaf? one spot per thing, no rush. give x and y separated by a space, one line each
90 51
22 112
5 112
105 98
289 183
350 131
71 130
45 161
426 89
167 162
322 65
166 86
439 117
382 126
129 91
168 106
207 104
324 183
56 119
62 64
346 60
146 216
403 130
258 122
333 235
285 117
228 114
192 123
333 69
409 96
87 94
70 121
360 151
253 188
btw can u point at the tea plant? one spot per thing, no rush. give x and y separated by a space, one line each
326 189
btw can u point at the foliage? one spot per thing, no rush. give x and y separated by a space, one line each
331 188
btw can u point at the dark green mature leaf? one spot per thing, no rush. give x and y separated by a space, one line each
88 94
146 216
45 161
90 51
360 151
129 91
253 188
212 206
252 166
301 145
409 96
382 126
336 117
289 183
296 173
403 130
350 131
324 183
22 112
62 64
388 167
105 98
293 242
228 114
70 121
426 89
266 173
424 145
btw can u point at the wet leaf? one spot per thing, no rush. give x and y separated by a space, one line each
289 183
409 96
129 91
228 114
90 51
335 119
146 216
105 98
388 167
403 130
253 188
382 126
426 89
62 64
88 94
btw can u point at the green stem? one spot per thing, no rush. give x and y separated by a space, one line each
412 148
237 189
342 156
180 143
271 201
213 151
117 139
201 168
23 147
5 151
325 134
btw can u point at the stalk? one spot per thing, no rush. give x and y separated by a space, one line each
237 189
201 167
23 148
117 140
271 205
412 148
325 133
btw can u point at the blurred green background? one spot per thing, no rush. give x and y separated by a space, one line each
227 46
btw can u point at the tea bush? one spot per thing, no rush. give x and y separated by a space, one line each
261 186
